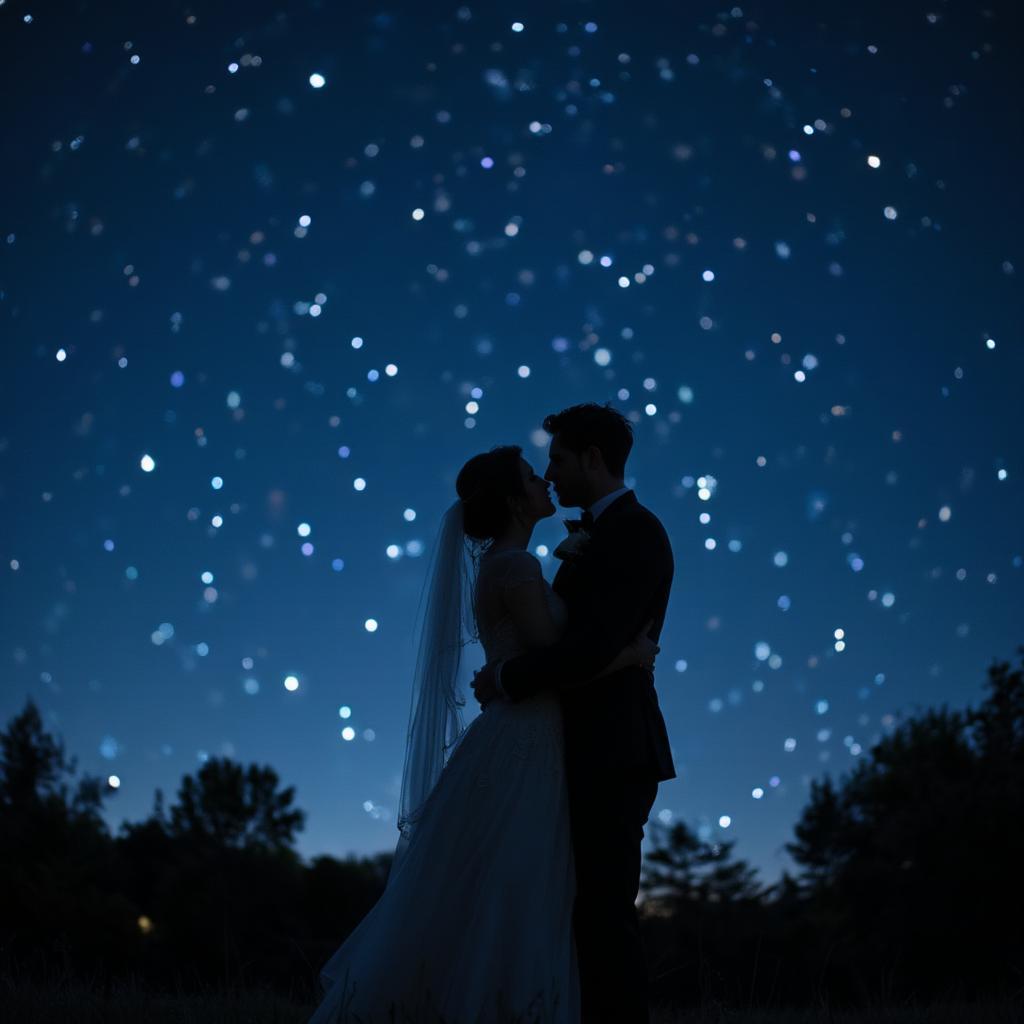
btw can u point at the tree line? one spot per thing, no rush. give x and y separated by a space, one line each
909 881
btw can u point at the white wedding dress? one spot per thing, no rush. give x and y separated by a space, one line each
475 926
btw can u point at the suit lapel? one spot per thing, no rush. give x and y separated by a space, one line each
568 577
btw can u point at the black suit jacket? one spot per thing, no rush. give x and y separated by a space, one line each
618 583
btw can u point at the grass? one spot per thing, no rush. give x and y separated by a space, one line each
66 1002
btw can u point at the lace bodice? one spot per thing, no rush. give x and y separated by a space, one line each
499 571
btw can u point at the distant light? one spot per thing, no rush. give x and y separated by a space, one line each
757 792
725 821
291 683
409 515
945 513
113 781
602 357
523 371
348 734
147 463
790 745
517 26
990 343
394 551
344 711
370 625
359 484
391 370
418 214
708 275
61 355
217 483
317 80
873 161
890 213
780 558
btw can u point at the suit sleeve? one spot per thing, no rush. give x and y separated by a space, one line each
632 576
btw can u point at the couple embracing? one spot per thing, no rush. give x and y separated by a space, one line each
512 893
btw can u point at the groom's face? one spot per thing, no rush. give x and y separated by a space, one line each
566 475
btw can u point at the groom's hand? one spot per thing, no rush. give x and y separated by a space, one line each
484 687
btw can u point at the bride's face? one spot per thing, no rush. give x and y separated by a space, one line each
537 504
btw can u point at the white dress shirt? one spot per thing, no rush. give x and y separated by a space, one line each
602 503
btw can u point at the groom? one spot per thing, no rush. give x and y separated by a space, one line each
615 576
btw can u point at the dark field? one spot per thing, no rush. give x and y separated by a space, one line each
62 1002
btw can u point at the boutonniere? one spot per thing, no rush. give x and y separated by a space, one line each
576 543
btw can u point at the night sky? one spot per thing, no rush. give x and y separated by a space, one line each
270 274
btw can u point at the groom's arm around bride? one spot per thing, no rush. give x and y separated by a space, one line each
617 584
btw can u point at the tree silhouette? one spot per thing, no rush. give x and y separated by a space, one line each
682 869
229 806
35 773
58 883
912 860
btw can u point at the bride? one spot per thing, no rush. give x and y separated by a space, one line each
475 924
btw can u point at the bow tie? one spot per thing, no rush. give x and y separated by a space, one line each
585 522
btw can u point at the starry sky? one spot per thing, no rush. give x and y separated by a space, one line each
271 273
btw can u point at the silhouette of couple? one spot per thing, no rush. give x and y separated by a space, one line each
512 892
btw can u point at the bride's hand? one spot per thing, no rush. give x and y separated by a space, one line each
643 649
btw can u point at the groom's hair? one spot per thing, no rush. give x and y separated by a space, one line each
581 426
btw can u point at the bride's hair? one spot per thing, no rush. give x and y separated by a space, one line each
484 483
